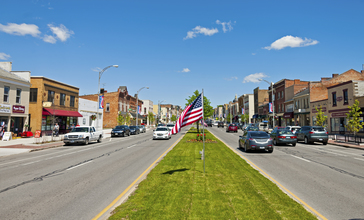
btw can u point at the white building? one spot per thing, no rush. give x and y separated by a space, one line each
88 109
146 108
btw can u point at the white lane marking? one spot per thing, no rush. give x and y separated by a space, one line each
132 146
359 159
301 158
79 165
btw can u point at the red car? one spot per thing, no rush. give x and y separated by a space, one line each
232 127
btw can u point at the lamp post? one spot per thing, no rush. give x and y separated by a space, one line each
137 104
270 83
98 93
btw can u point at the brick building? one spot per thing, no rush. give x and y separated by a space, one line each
115 103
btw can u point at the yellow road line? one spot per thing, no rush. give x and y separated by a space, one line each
276 182
135 181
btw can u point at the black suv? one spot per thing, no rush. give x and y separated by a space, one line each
220 124
310 134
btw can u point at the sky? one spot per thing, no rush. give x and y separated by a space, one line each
178 47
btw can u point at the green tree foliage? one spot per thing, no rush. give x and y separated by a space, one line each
320 117
121 119
354 122
151 117
245 118
127 119
174 118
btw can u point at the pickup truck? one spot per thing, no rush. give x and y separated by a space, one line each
83 134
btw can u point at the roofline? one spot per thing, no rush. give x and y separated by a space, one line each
54 81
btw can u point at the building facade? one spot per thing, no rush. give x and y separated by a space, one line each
88 110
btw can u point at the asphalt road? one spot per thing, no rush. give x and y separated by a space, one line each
77 181
330 179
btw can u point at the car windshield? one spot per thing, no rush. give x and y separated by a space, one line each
285 132
120 127
253 129
170 125
162 129
232 125
318 129
133 127
259 134
80 129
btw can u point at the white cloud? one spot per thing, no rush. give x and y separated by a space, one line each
290 41
254 77
4 56
231 78
226 26
49 39
200 30
61 32
185 70
20 29
96 69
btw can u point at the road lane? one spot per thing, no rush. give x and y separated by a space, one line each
78 181
328 178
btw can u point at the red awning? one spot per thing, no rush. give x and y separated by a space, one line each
49 111
288 115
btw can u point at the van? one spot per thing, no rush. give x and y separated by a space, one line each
263 126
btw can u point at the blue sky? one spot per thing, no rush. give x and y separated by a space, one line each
176 47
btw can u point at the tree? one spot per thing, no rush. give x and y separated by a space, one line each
354 123
245 118
121 119
208 110
127 119
320 117
174 118
150 117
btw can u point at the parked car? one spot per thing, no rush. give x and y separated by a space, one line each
263 126
293 128
232 127
142 129
216 123
134 130
120 130
256 140
310 134
161 133
220 124
283 136
83 135
209 123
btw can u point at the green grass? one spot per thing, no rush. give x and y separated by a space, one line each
177 188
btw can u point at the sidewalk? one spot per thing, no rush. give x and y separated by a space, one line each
23 145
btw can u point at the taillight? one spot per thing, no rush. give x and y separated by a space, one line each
281 136
327 132
311 132
294 137
251 139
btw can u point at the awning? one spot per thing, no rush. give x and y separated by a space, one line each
288 115
49 111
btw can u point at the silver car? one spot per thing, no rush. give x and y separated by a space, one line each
256 140
142 128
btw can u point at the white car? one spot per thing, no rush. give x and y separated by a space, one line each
216 123
170 126
161 132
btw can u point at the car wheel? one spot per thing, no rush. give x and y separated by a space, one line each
239 146
99 140
274 142
86 141
325 142
294 144
245 148
306 141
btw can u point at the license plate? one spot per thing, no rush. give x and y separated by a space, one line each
320 139
262 147
116 134
72 141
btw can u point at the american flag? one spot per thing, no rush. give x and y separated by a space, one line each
191 114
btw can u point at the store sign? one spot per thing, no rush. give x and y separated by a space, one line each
5 108
315 111
338 115
18 109
339 99
7 136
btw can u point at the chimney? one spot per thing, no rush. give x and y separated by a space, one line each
325 78
334 75
6 66
297 81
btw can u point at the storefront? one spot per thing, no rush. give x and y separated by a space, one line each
12 119
65 119
338 121
288 116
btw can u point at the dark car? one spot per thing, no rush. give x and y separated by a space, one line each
251 128
209 123
232 127
310 134
120 130
220 124
256 140
134 130
283 136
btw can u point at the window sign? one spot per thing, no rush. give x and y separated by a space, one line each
5 108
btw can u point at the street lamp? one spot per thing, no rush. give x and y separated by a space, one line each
137 104
270 83
98 93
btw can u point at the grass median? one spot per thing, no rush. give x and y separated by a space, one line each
177 188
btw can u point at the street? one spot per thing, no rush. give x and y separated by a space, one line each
327 178
76 181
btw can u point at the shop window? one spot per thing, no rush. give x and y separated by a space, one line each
72 101
308 104
6 93
51 96
279 95
346 98
18 96
33 95
107 107
63 99
334 99
282 94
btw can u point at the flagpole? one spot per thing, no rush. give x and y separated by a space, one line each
203 135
